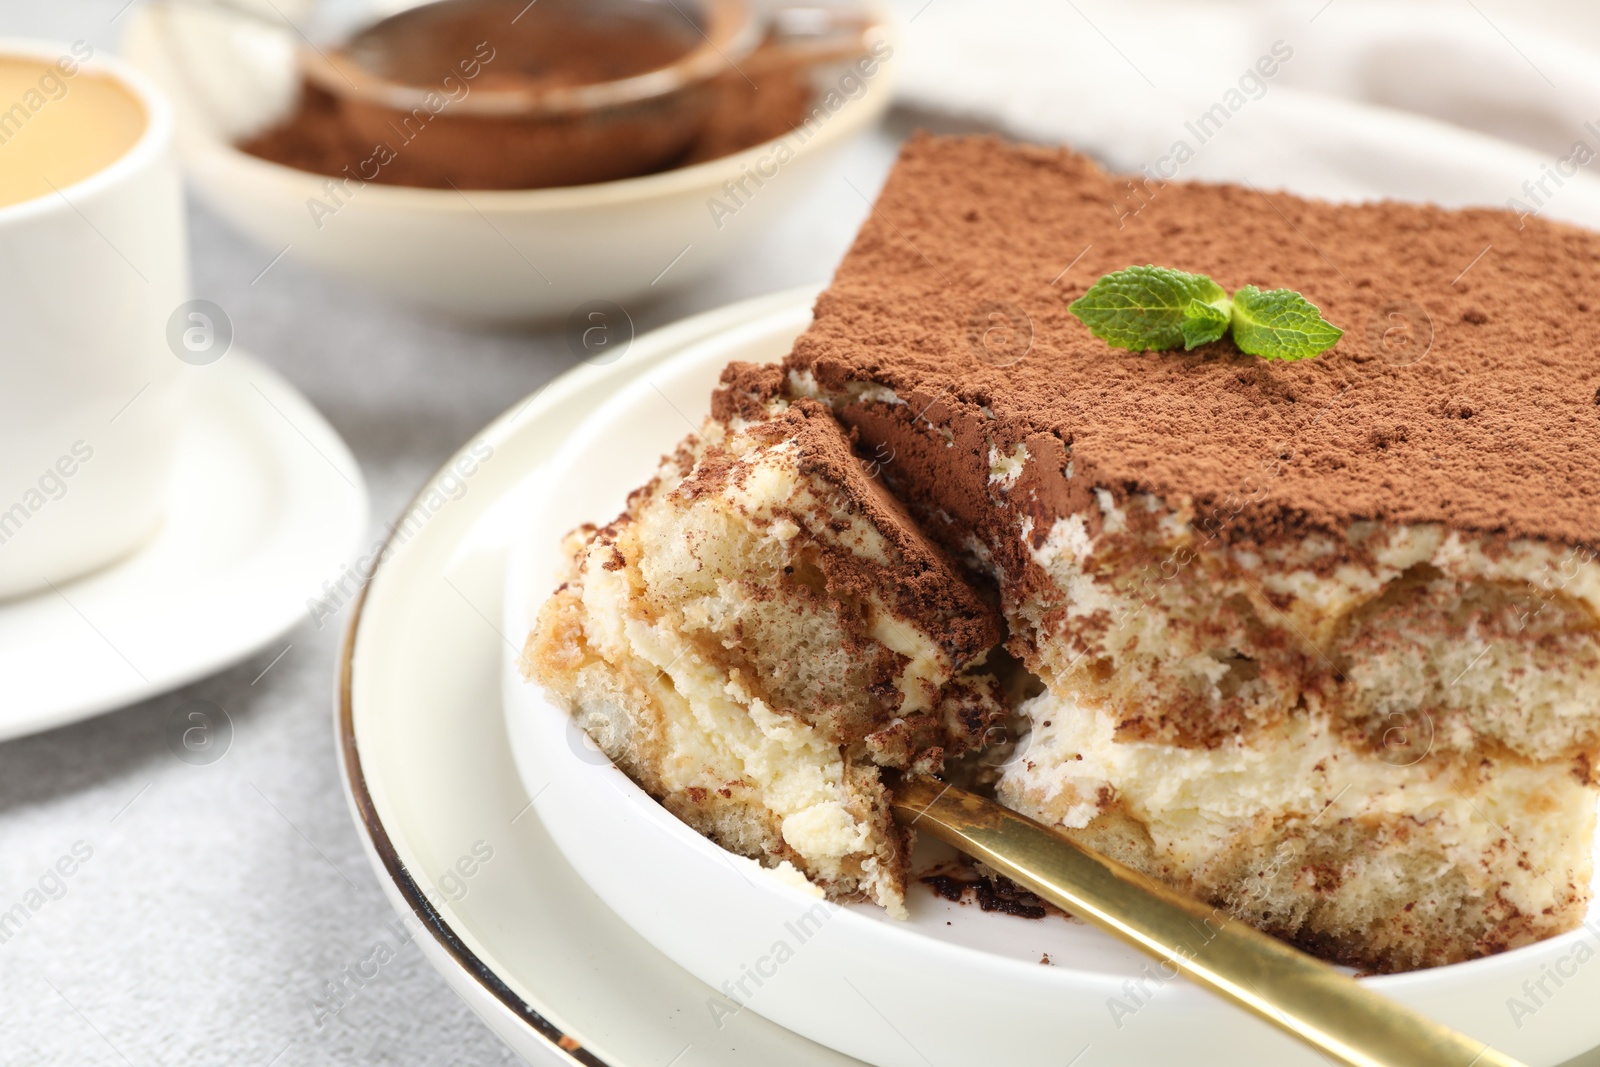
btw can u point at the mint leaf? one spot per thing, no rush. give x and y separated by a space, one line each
1203 323
1280 324
1151 307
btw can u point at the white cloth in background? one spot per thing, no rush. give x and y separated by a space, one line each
1355 87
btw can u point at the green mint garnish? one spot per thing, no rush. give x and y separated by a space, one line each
1280 324
1203 323
1153 307
1159 308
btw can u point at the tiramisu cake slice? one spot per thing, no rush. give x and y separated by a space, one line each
1319 640
1319 637
761 631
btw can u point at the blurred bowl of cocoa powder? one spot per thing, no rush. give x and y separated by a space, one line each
428 202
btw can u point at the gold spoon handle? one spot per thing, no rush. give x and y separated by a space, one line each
1300 995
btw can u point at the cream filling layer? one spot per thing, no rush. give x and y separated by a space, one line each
1198 804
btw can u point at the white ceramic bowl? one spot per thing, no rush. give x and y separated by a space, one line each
952 984
511 256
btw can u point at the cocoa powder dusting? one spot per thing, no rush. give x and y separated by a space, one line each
1463 391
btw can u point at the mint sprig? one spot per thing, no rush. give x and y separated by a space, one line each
1160 308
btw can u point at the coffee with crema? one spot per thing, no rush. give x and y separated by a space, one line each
60 124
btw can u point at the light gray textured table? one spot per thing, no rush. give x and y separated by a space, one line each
217 900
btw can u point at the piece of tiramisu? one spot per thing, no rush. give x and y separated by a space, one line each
1319 637
762 630
1319 640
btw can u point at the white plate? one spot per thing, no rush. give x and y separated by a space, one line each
428 774
913 986
266 504
428 770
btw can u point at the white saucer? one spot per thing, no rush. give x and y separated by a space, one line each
266 504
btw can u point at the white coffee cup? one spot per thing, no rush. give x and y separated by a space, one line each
92 395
